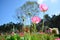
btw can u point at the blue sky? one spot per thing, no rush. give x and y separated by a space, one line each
8 9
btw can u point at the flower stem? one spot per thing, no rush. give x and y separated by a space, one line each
13 29
34 27
43 25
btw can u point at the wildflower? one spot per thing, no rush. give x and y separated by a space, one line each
43 7
57 39
36 19
21 34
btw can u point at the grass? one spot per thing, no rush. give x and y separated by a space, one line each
31 36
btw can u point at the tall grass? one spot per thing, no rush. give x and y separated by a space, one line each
32 36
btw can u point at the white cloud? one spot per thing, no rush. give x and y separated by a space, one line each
54 1
40 1
56 13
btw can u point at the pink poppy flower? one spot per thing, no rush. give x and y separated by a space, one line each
57 39
36 19
43 7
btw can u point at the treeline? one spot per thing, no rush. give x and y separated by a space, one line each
9 27
49 22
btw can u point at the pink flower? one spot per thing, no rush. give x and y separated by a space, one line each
12 33
21 34
57 39
43 7
36 19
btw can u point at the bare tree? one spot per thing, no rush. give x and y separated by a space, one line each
27 10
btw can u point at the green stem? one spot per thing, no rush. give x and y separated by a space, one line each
43 25
34 27
13 29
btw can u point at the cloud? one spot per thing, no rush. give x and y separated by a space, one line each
56 13
40 1
54 1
